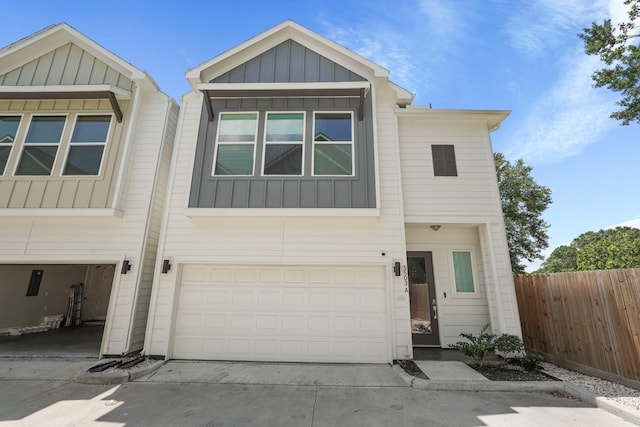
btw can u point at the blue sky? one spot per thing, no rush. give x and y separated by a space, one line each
523 56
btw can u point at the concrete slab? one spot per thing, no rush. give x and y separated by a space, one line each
277 374
44 369
439 371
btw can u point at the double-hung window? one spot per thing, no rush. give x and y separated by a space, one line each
333 143
86 147
8 130
236 141
463 272
283 144
41 145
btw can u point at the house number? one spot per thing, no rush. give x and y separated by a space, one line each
406 279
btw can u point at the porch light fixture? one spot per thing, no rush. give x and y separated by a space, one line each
166 266
396 269
435 227
126 266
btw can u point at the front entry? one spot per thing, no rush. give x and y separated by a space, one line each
422 298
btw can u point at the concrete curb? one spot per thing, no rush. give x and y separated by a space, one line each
118 376
615 408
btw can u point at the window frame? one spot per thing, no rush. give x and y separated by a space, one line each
302 142
23 144
218 143
69 144
474 277
16 140
350 143
441 167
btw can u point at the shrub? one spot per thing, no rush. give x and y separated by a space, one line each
479 347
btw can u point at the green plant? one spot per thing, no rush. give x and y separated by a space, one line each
531 361
479 347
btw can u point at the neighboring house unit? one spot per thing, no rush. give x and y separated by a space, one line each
85 150
313 214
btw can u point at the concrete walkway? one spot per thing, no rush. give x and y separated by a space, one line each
47 392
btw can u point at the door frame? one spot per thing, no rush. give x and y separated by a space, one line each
432 340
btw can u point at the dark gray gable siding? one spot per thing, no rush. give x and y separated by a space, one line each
287 62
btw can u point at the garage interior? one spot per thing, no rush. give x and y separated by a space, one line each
54 310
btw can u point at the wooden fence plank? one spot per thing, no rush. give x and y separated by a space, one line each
585 318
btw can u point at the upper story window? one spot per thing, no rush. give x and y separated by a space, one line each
444 160
8 130
41 145
46 146
333 144
236 139
283 144
86 147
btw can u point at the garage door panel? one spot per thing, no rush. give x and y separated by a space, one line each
282 313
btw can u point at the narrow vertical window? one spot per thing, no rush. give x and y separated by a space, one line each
444 160
87 144
333 144
8 130
41 145
463 272
235 144
283 144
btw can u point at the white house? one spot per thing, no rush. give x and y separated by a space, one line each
85 150
313 214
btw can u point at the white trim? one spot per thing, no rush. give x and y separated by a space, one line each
281 212
286 86
64 134
61 212
117 91
71 144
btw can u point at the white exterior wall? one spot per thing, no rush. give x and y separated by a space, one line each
85 239
281 240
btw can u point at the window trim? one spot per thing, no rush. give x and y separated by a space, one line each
314 142
13 144
474 276
218 143
69 144
64 135
301 142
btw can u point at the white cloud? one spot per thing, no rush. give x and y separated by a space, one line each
443 19
635 222
569 116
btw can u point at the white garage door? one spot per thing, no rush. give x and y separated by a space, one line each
282 313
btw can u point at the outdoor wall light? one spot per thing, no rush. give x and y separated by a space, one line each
396 268
126 266
435 227
166 266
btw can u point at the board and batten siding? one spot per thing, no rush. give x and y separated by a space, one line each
66 65
63 191
470 194
287 240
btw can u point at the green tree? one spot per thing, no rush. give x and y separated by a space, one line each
523 202
609 249
617 47
563 258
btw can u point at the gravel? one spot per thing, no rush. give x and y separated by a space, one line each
614 391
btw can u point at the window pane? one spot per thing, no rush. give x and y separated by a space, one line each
285 127
45 130
463 272
4 156
417 269
84 160
91 129
333 127
37 160
283 159
234 160
332 159
237 127
8 129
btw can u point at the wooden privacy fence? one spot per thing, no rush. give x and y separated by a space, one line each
588 321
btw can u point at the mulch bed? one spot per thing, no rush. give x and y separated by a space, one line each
511 372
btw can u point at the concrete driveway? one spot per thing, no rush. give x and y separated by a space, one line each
202 394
